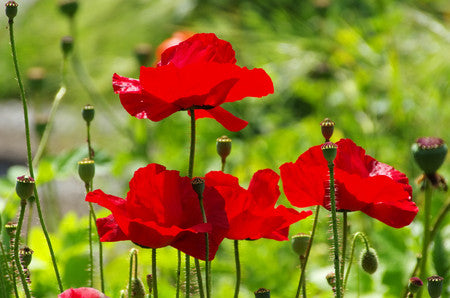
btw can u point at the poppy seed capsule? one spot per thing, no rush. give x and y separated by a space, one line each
369 260
67 45
198 184
300 243
429 153
88 113
327 127
26 254
86 170
262 293
68 7
415 284
223 145
329 151
11 9
25 187
435 284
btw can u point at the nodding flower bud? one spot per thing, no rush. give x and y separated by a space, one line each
86 170
414 284
369 260
11 9
25 187
68 7
300 243
88 113
198 184
435 284
429 153
143 52
327 126
223 145
331 279
262 293
137 288
150 283
11 228
26 254
67 45
329 151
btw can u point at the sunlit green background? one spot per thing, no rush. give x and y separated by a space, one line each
379 68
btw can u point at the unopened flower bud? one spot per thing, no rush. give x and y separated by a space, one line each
415 284
429 153
150 283
331 279
36 76
88 113
11 9
369 260
68 7
25 187
143 52
327 126
329 151
300 243
86 170
223 145
198 184
67 45
25 254
11 228
137 288
262 293
435 285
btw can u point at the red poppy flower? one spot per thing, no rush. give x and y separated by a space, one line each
252 213
162 209
82 293
362 183
199 73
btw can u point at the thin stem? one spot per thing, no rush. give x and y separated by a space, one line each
350 262
91 253
207 263
178 273
223 164
344 240
426 232
30 216
238 265
10 271
29 156
130 272
199 278
439 219
100 249
188 275
308 250
413 273
154 278
335 231
23 205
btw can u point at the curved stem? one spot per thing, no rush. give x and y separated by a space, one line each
154 278
238 266
308 250
439 219
350 261
23 204
426 232
29 156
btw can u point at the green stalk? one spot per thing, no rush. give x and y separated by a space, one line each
23 204
199 278
302 282
344 240
335 231
426 232
188 273
6 257
29 155
178 273
366 242
154 281
207 263
238 263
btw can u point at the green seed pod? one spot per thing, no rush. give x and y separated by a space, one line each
327 127
25 187
331 279
429 153
68 7
86 170
369 260
198 184
25 254
11 9
329 151
67 45
223 146
300 243
262 293
415 284
143 52
88 113
137 288
435 284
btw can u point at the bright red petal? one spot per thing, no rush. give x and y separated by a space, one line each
264 190
109 230
228 120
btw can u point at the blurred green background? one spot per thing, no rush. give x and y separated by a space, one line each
379 69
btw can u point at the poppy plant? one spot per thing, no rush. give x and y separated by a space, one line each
199 73
362 183
162 209
251 213
82 293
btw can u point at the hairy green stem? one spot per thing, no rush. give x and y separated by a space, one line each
29 155
238 264
350 261
199 278
344 240
178 273
154 277
426 232
23 205
207 263
6 258
188 275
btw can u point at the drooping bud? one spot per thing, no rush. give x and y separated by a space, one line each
143 52
25 254
223 146
67 45
25 187
300 243
327 126
369 260
429 153
11 228
11 9
435 285
86 170
329 151
137 288
198 184
262 293
331 279
415 284
88 113
150 283
68 7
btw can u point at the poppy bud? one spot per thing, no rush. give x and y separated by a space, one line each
36 76
262 293
329 151
150 283
86 170
68 7
429 153
327 127
143 52
67 45
369 260
137 288
331 279
25 187
300 243
10 228
415 284
435 284
25 254
198 184
223 145
11 9
88 113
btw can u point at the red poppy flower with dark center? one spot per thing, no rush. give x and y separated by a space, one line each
362 183
162 209
251 213
199 73
82 293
